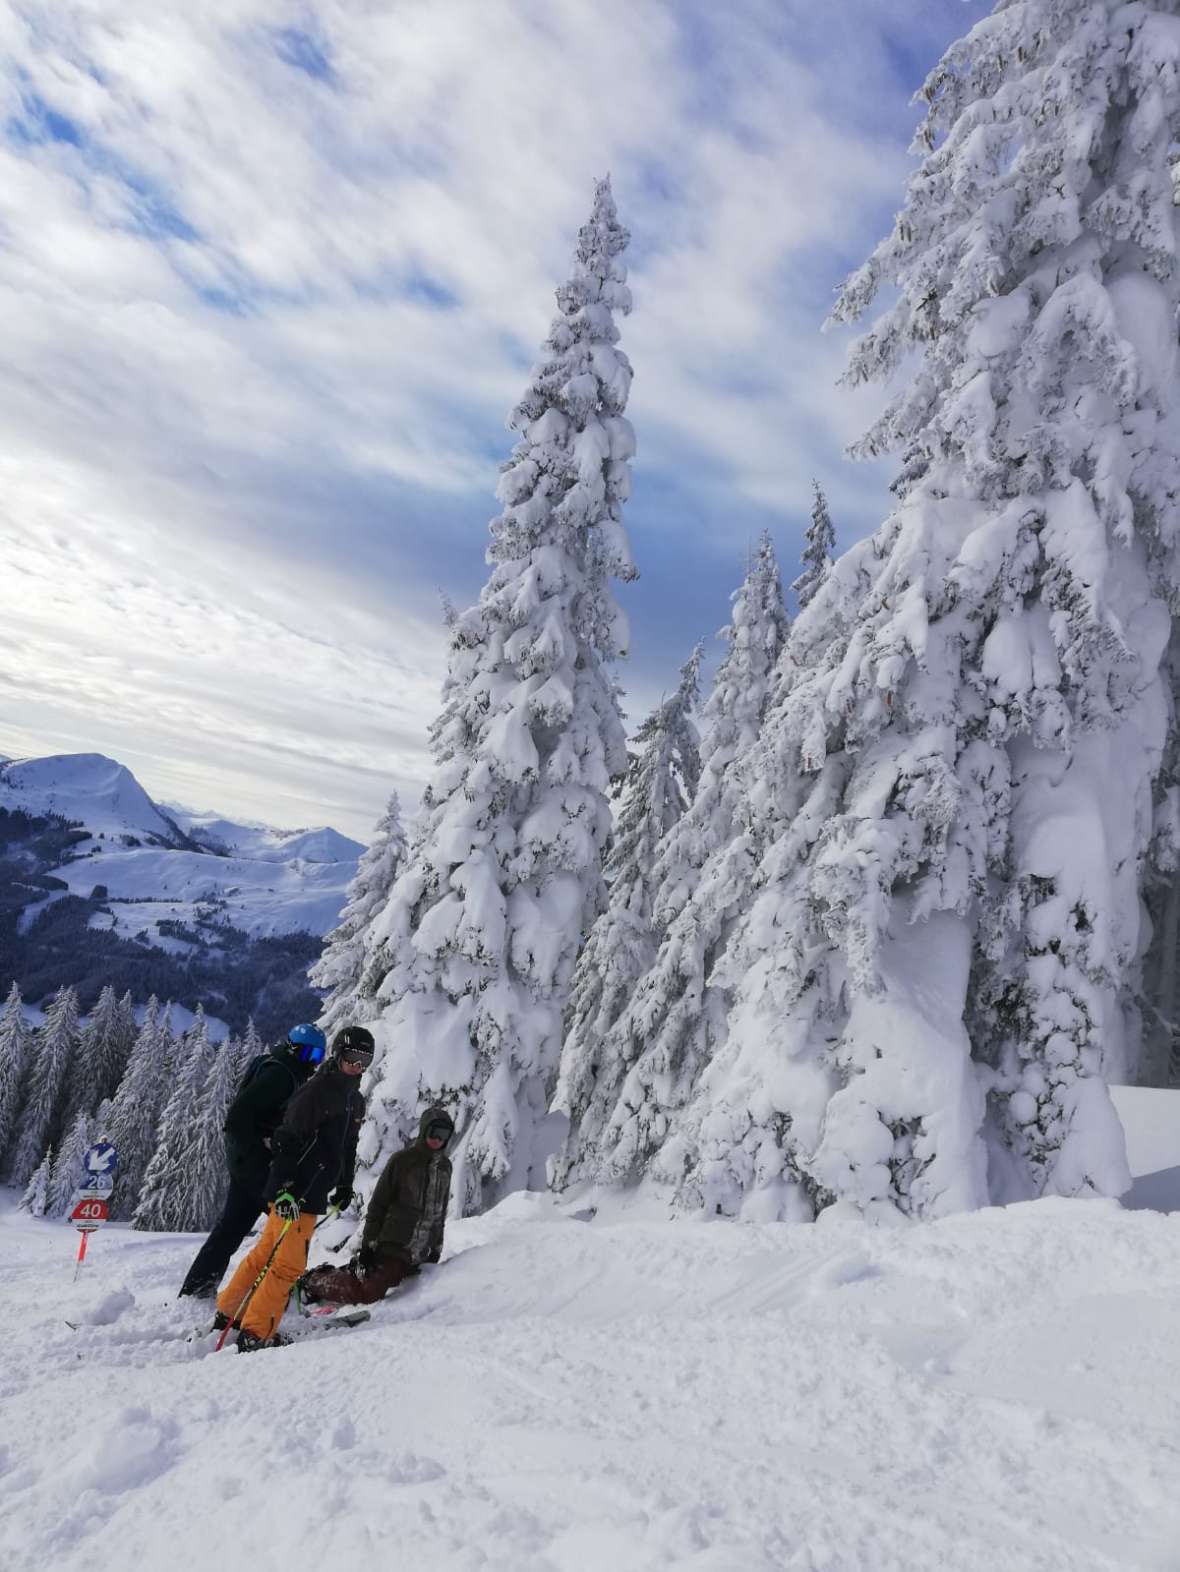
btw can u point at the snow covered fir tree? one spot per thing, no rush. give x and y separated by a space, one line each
818 551
346 971
673 1017
622 944
166 1118
15 1051
104 1047
167 1197
481 932
43 1104
936 967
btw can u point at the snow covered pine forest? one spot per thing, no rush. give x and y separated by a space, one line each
863 931
877 923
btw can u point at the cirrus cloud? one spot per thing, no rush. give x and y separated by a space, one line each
272 276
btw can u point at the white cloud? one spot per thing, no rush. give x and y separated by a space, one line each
263 320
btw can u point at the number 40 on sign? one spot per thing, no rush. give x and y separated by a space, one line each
90 1213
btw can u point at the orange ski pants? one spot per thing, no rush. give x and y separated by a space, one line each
265 1310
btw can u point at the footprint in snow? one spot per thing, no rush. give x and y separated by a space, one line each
842 1272
108 1309
136 1450
409 1469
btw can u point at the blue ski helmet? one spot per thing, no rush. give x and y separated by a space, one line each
308 1042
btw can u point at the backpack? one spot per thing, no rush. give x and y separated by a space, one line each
254 1069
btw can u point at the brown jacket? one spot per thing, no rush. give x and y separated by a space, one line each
408 1209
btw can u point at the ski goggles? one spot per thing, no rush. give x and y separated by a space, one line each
439 1132
311 1053
357 1055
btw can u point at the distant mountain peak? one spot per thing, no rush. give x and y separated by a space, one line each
92 789
263 842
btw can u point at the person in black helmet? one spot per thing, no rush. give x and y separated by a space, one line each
254 1115
404 1222
313 1161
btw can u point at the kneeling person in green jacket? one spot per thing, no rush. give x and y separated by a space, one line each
403 1224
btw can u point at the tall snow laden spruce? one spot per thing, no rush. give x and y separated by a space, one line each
937 967
43 1109
622 1082
622 944
175 1187
135 1113
818 550
16 1043
478 940
346 969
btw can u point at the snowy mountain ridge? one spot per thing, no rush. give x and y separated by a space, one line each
101 885
90 789
262 842
179 863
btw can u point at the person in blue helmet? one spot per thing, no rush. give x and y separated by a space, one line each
268 1085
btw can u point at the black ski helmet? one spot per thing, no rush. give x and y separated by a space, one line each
354 1042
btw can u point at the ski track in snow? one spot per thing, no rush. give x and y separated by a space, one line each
999 1390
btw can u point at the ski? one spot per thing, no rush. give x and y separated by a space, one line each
317 1321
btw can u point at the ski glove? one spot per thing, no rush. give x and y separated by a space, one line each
340 1197
366 1258
287 1206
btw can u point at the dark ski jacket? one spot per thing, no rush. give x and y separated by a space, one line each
314 1149
255 1114
408 1209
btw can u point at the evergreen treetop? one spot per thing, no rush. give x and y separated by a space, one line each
477 943
15 1052
622 943
343 968
55 1043
819 549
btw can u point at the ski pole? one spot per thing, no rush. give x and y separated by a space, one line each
254 1286
333 1211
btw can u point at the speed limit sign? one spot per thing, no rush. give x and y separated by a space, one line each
90 1213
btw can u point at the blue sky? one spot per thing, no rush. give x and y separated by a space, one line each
272 277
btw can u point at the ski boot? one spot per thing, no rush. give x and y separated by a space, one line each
205 1290
307 1289
249 1342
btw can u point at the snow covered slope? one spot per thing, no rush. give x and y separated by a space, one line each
146 887
993 1391
100 793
